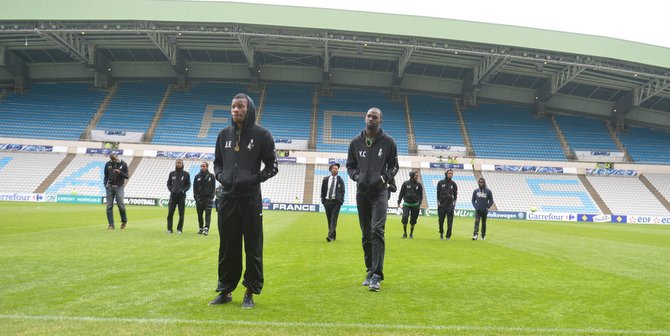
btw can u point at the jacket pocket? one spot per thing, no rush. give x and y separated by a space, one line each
226 179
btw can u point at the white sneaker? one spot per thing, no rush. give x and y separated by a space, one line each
474 237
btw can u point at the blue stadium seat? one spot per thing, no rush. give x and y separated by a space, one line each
510 132
133 107
645 145
345 109
586 134
182 119
59 111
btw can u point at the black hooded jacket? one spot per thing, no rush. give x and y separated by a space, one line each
179 182
239 172
372 167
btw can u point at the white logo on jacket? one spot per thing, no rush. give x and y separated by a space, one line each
380 153
229 144
362 153
251 145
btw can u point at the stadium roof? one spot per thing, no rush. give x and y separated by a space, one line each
628 75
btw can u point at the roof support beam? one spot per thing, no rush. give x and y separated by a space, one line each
168 46
326 57
247 49
488 67
73 45
648 90
558 80
404 60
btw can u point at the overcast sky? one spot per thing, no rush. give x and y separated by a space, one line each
646 21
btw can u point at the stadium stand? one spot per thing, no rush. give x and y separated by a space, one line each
586 134
150 177
465 181
645 145
661 182
83 176
287 110
24 172
546 192
627 195
342 117
133 106
49 111
434 121
194 116
288 186
511 132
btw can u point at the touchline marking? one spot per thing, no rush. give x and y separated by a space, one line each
332 325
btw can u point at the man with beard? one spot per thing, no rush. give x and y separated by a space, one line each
372 161
240 149
179 182
447 192
203 192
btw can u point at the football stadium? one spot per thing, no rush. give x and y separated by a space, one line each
570 131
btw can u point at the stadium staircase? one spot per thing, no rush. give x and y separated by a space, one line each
655 192
54 173
309 185
464 130
594 194
618 142
411 139
98 114
133 165
561 138
159 113
314 129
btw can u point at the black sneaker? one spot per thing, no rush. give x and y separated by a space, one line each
483 237
111 227
205 231
248 302
367 280
375 282
404 235
200 231
123 225
441 236
221 299
411 236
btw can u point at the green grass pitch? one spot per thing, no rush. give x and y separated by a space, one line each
63 273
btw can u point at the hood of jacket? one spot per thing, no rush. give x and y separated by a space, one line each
250 119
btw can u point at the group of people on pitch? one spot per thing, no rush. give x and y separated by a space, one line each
241 147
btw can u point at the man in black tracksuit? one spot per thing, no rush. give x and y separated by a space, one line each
482 200
240 148
411 194
372 161
203 192
447 192
178 183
